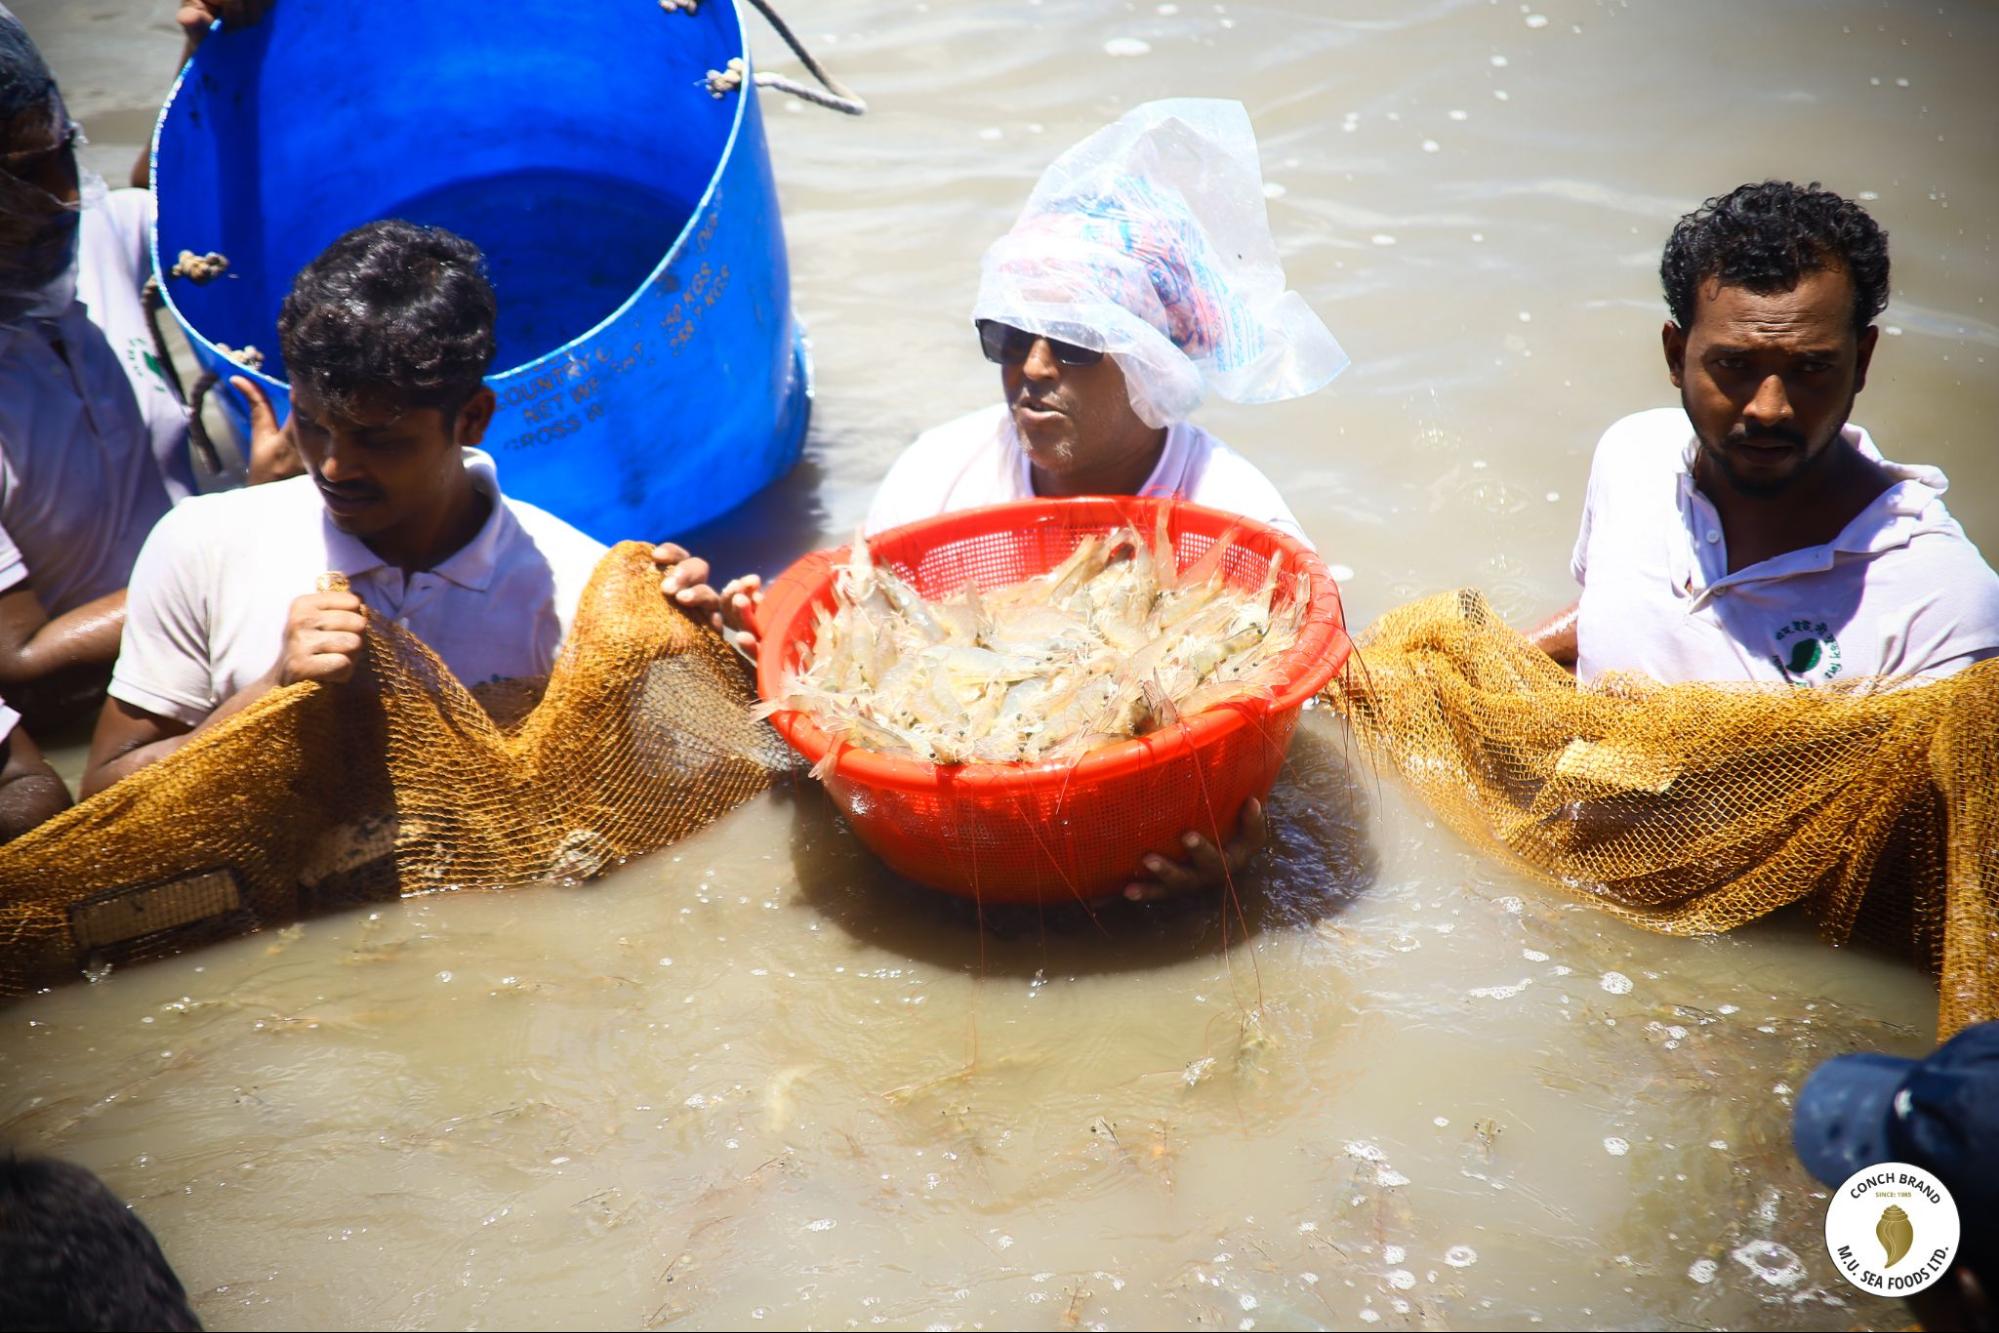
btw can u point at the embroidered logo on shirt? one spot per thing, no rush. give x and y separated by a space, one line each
139 357
1807 652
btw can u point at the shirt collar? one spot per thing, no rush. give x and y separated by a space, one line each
1896 516
471 566
1170 471
70 325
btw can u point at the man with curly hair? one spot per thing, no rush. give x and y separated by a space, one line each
1754 533
387 336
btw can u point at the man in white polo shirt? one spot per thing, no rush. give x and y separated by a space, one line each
1140 277
1754 534
1135 282
387 336
1066 428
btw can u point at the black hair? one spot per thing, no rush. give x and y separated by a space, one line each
73 1256
1766 237
395 310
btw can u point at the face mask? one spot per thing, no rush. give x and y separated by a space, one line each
38 242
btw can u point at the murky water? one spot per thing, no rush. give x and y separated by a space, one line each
749 1080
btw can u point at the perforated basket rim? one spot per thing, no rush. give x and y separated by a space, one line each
786 615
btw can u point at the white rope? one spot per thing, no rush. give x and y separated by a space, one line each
837 97
853 106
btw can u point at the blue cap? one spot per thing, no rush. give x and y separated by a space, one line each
1940 1113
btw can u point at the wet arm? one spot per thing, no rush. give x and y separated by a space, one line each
128 737
194 16
30 791
1556 636
322 642
34 647
142 167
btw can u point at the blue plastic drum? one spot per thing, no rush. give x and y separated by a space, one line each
650 375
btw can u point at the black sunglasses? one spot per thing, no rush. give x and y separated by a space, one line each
1005 345
33 164
72 134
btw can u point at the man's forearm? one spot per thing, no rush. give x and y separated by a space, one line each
30 791
28 800
142 170
123 763
122 766
1556 636
85 637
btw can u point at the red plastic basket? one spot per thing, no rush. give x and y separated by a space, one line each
1034 833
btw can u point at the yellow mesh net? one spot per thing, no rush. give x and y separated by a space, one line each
1689 809
316 798
1686 809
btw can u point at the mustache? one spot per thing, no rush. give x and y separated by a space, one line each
348 490
1766 435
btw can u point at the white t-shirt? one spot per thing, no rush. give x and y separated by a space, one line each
979 460
9 719
114 258
1900 592
213 586
79 484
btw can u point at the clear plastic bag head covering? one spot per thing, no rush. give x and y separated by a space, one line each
1149 241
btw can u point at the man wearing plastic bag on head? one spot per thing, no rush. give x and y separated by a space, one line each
92 439
1140 277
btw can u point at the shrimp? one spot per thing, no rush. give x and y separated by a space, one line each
1114 641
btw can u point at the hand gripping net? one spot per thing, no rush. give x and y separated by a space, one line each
319 797
1685 809
1689 809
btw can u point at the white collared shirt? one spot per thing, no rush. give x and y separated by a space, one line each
979 460
114 259
80 485
213 586
1901 591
